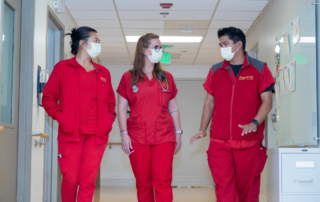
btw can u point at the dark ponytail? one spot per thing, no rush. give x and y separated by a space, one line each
82 33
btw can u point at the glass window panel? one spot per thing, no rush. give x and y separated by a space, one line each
7 90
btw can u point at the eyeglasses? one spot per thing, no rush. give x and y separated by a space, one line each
157 48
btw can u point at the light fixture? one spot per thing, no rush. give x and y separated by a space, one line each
307 39
170 39
183 51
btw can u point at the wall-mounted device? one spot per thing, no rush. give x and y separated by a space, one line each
59 6
43 77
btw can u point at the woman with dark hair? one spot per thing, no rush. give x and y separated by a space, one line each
152 134
80 97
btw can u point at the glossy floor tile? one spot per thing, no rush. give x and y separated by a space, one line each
128 194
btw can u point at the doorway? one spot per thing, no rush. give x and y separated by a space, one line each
55 33
9 83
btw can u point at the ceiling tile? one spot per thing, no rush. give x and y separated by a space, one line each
96 24
236 5
93 15
111 39
113 45
211 37
180 32
212 51
187 55
187 24
183 45
108 32
178 50
90 5
132 46
210 45
147 24
234 15
155 5
173 15
238 24
139 32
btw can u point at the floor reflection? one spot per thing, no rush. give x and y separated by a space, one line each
128 194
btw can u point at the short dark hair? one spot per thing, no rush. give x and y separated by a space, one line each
234 34
82 33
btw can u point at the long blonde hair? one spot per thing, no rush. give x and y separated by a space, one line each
139 61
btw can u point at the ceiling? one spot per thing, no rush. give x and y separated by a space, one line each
115 19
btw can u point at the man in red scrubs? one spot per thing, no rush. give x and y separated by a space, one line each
238 101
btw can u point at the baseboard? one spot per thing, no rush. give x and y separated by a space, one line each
263 198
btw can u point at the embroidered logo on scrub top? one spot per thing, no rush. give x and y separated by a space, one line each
103 79
246 78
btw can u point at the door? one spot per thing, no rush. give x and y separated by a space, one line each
52 173
9 85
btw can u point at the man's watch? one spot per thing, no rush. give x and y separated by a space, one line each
179 131
255 122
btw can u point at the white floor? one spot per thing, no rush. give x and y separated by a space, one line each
128 194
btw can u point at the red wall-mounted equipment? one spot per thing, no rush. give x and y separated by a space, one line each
166 5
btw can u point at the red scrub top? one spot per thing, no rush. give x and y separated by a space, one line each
88 84
150 122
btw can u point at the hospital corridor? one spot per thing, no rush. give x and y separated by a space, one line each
160 101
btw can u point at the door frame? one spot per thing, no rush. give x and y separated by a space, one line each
25 100
52 189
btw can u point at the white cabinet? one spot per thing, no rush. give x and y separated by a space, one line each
293 175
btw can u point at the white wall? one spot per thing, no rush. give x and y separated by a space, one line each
191 161
277 14
38 113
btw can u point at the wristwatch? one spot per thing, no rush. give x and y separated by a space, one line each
179 131
255 122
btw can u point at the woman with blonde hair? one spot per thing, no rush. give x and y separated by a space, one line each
152 134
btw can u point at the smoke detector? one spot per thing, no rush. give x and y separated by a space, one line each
166 5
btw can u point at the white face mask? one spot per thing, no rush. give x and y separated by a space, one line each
156 56
227 53
95 50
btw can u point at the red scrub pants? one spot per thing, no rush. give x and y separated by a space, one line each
79 165
152 167
236 172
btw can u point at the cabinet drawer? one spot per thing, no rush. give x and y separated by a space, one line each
300 173
300 198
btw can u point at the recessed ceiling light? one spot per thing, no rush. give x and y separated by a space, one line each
170 39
